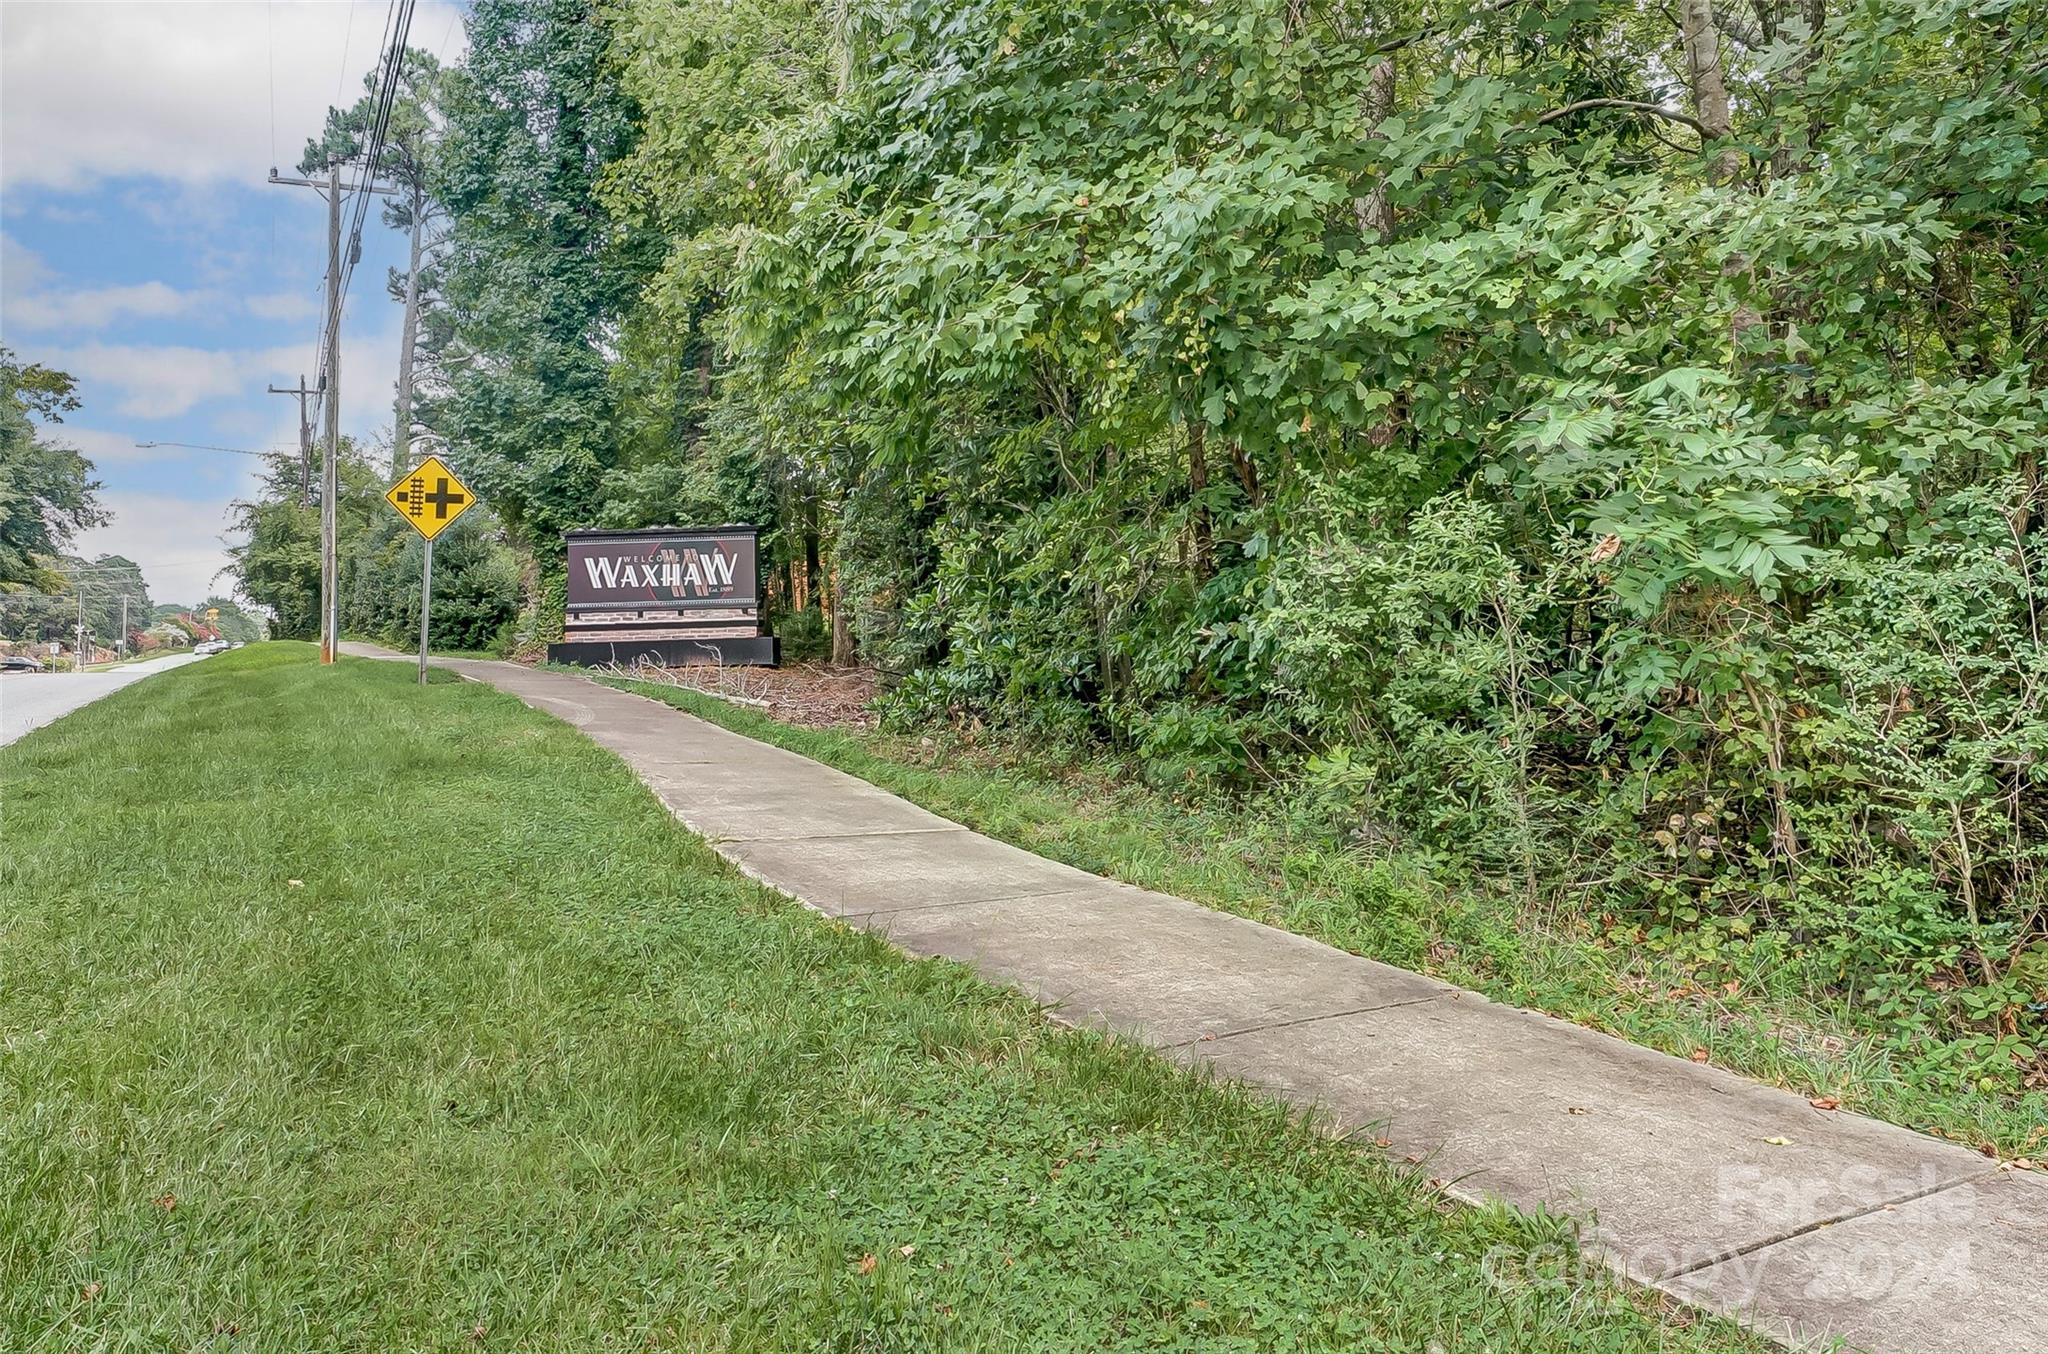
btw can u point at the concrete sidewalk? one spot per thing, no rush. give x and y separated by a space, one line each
1746 1200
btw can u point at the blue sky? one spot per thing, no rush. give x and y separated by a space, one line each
142 251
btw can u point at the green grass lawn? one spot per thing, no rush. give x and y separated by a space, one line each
340 1013
1756 1013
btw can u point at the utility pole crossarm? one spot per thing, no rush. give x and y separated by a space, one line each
276 177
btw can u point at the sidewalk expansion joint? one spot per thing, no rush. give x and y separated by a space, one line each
861 918
846 836
1310 1020
1737 1252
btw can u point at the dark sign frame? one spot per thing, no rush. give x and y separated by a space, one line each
672 561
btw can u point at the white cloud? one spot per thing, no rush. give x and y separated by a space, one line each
178 542
152 381
97 307
194 92
35 298
158 381
21 268
283 305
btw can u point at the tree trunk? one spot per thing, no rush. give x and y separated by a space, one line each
814 575
842 628
1198 485
1709 86
1375 211
1247 473
1710 105
401 423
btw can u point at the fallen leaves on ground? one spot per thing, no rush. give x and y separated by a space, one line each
813 695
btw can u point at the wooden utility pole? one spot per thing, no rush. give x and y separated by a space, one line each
330 395
302 390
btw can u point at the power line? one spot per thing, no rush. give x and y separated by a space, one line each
348 35
397 29
398 26
270 61
201 446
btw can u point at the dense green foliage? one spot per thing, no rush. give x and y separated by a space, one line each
1592 447
589 1088
47 493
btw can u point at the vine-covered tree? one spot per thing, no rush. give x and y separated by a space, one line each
539 277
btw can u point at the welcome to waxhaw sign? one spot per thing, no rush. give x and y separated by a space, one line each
669 595
663 568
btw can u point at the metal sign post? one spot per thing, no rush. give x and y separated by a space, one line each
429 499
426 602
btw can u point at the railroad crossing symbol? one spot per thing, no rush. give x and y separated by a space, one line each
430 497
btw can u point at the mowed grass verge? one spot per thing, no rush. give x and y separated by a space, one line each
337 1013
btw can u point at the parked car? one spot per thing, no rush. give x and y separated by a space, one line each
210 646
21 662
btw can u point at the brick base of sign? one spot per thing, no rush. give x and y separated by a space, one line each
761 651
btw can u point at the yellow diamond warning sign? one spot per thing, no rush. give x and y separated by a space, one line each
430 497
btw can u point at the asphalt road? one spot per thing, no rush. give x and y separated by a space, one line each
29 700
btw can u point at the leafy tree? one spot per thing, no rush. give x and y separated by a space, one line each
47 493
88 591
278 564
232 622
